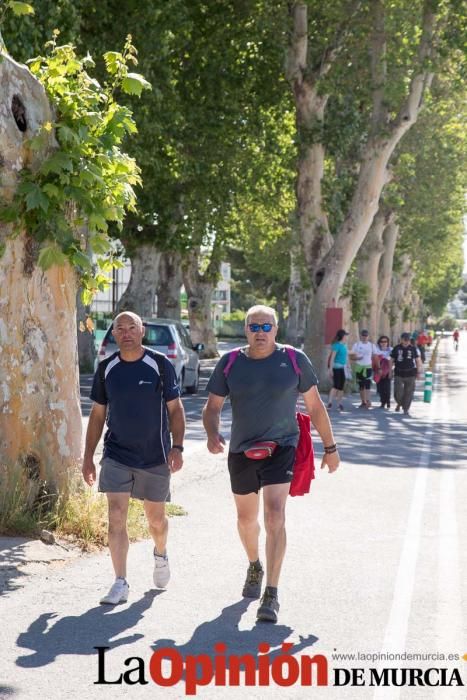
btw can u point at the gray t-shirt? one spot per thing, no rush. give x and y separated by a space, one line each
263 394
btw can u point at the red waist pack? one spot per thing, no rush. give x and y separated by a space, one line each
261 450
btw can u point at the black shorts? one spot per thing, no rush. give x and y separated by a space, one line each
249 475
338 378
363 378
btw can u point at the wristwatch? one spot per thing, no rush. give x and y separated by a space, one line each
177 447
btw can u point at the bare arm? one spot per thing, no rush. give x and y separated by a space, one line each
211 417
93 435
320 419
177 428
419 365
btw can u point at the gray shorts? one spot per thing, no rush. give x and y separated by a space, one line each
151 484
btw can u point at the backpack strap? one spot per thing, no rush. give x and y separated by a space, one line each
293 358
233 354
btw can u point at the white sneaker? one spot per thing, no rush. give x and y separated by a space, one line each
161 575
118 593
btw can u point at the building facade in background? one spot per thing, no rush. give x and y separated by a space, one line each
105 303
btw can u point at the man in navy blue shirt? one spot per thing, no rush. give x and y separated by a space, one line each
135 392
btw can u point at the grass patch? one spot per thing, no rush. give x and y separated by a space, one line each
173 510
80 518
16 496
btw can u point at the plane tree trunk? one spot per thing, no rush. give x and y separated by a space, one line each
390 235
368 267
169 284
141 291
373 174
199 289
40 418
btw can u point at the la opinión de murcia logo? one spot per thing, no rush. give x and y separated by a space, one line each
220 669
168 667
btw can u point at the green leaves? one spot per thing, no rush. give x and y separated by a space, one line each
57 162
81 260
117 67
34 196
134 84
88 181
51 255
20 8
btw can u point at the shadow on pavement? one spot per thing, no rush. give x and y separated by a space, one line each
79 634
224 628
391 440
11 558
388 439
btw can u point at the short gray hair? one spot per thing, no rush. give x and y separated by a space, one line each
261 309
137 319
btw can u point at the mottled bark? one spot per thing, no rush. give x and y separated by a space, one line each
373 174
40 418
86 344
390 235
400 298
368 267
169 285
347 243
314 238
199 289
141 291
298 301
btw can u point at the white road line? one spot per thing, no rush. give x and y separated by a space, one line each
396 630
449 611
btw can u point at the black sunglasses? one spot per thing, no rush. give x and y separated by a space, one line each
257 327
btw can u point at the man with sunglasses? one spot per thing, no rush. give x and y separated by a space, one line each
263 387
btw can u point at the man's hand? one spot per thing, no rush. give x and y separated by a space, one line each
332 461
216 443
89 471
175 460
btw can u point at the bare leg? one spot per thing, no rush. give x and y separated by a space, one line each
247 523
158 524
339 394
118 534
275 497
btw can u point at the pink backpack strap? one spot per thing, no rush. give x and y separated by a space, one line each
233 354
293 358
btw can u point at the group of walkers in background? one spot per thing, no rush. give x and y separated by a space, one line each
380 362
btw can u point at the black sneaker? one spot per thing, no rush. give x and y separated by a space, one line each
253 581
267 611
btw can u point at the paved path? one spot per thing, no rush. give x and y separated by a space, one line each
377 561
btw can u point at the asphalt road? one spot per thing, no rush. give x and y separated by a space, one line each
376 562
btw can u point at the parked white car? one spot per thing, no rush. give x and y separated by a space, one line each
171 338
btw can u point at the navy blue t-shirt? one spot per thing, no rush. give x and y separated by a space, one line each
137 424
